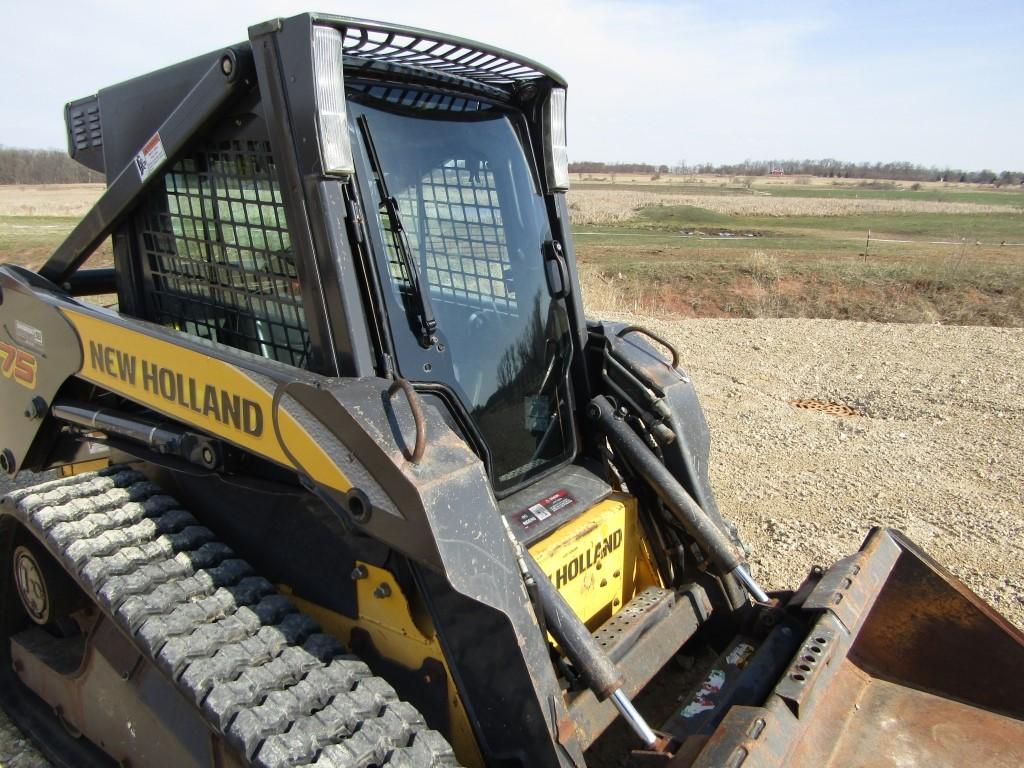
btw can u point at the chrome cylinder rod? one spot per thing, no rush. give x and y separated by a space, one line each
752 586
635 719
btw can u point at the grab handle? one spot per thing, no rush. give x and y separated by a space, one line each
417 414
643 331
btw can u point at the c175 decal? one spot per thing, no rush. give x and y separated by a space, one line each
18 364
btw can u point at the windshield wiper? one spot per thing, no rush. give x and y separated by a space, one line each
425 320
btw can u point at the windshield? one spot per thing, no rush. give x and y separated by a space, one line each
475 230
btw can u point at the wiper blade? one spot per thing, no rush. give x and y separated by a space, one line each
425 321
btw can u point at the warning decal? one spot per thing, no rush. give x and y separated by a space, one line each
544 509
150 157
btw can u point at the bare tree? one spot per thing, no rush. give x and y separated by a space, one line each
42 166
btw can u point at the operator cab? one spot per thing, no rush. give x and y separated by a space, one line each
462 244
470 219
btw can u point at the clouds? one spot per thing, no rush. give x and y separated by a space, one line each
651 81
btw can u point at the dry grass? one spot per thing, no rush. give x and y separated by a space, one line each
675 283
726 180
609 293
757 282
587 206
48 199
600 206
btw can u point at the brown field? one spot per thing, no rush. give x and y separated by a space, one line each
712 180
875 253
612 206
48 199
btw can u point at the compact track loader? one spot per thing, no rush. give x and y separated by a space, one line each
347 479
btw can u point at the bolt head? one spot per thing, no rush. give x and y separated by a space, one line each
36 408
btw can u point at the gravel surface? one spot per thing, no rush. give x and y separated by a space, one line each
938 452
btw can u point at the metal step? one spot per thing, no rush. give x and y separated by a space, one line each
620 633
641 639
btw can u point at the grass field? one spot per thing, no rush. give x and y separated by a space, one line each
950 254
714 247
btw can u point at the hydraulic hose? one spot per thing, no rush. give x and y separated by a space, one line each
593 665
597 670
722 552
556 616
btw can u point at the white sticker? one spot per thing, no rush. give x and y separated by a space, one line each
150 157
705 698
95 448
540 512
28 335
738 656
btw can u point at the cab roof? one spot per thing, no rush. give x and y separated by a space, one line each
456 57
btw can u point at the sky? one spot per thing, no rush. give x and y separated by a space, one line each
935 83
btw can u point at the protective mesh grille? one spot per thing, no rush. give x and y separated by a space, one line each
453 219
218 254
413 98
462 58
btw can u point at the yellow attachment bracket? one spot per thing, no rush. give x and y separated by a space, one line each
402 632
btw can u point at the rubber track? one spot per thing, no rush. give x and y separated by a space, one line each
262 673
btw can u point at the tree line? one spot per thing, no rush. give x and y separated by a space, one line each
51 166
827 168
42 166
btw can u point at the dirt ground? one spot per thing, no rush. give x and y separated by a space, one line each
937 453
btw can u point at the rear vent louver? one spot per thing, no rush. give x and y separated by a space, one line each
85 125
85 132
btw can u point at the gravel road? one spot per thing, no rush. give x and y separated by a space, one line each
937 453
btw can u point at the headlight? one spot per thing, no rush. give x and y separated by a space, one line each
556 161
329 87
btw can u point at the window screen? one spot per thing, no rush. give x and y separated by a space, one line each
453 219
217 254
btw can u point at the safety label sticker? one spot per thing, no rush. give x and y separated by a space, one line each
28 336
150 156
545 508
705 698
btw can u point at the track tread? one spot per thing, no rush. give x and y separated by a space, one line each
262 673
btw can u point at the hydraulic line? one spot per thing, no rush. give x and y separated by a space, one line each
556 616
597 670
726 557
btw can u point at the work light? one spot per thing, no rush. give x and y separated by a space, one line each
329 85
556 161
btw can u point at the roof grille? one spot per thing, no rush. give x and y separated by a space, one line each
409 98
449 55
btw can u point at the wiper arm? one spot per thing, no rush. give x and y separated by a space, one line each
425 320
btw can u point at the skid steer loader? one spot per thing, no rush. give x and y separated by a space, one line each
348 479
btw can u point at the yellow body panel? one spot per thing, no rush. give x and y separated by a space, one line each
401 634
194 388
599 561
79 467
